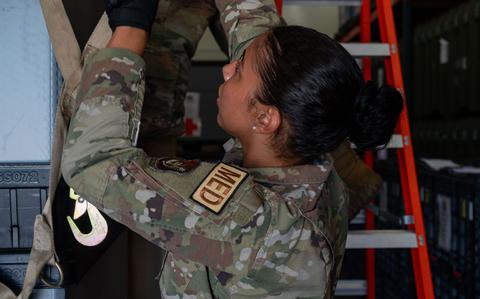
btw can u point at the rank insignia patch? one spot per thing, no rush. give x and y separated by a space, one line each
219 187
175 164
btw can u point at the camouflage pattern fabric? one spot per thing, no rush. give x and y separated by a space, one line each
244 20
362 183
281 234
177 29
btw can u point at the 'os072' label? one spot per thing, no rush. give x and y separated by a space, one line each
23 177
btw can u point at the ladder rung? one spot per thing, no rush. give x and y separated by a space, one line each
351 287
396 141
359 219
381 239
367 49
326 2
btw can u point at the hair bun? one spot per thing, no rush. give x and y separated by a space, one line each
375 115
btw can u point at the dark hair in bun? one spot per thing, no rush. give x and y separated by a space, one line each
375 112
318 88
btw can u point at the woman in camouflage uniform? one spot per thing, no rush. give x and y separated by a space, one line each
273 224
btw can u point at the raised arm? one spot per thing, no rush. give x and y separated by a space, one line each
184 206
244 20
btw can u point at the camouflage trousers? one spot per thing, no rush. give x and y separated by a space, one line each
177 29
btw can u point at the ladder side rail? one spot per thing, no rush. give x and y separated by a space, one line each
389 36
370 253
406 162
411 195
279 4
366 37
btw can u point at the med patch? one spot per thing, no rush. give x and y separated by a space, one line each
219 186
174 164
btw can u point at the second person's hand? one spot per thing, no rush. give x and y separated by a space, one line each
133 13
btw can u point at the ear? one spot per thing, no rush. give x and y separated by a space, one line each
268 120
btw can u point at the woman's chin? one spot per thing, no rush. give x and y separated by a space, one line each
222 126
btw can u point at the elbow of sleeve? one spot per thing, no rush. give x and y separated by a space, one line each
67 167
65 172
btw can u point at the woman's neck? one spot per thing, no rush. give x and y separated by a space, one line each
258 154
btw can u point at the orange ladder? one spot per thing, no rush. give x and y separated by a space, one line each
414 237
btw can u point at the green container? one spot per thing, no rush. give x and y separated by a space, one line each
419 72
442 57
447 56
473 73
459 93
439 56
432 65
458 38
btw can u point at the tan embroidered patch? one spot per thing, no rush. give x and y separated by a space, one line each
219 187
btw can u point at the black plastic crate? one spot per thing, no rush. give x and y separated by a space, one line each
23 193
13 267
394 275
451 208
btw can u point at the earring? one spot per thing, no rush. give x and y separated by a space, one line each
254 128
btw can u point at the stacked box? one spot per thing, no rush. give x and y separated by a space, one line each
476 224
23 193
394 275
451 209
449 231
473 57
446 90
13 267
445 64
454 139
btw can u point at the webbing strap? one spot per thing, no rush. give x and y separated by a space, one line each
65 45
97 40
69 59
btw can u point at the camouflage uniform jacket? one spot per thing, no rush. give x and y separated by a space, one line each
229 232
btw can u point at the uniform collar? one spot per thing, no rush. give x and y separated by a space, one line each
315 173
298 174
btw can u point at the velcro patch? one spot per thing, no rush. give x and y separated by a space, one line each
175 164
219 186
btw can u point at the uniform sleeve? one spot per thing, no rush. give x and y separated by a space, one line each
101 163
244 20
362 182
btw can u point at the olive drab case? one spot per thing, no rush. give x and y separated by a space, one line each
82 233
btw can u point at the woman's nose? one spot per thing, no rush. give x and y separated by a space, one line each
228 70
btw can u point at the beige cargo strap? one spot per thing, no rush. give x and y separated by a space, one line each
69 59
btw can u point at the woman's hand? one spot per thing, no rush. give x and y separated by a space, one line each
132 13
133 39
130 21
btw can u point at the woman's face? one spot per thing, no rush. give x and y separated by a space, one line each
236 114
